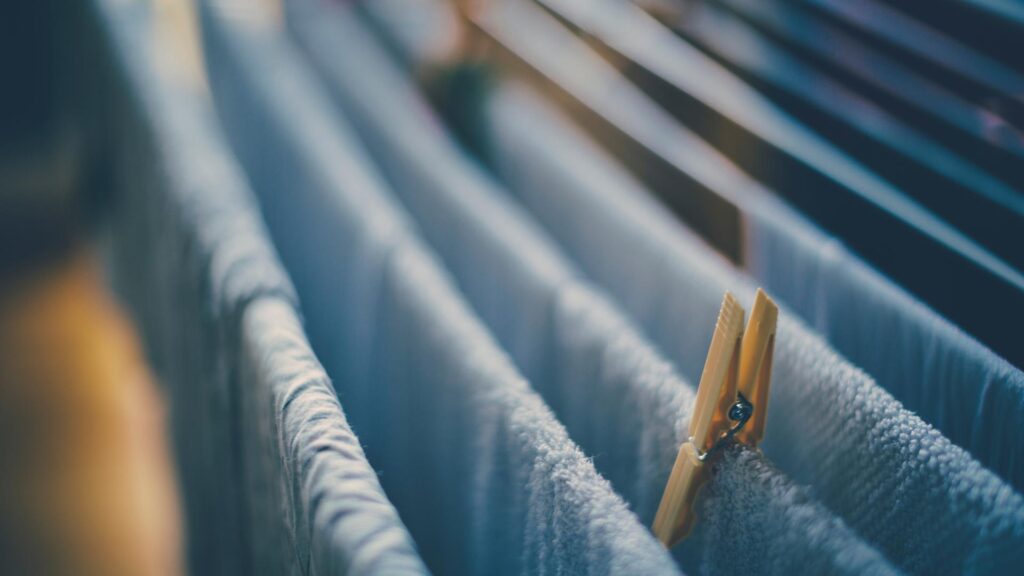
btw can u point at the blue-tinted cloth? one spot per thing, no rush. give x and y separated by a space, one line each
976 379
336 518
944 267
480 470
956 384
622 402
274 479
894 479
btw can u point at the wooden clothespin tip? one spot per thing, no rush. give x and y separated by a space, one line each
758 349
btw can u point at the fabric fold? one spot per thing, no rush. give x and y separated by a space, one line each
273 478
798 261
624 404
831 426
483 474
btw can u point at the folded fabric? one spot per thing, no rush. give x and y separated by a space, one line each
943 267
618 399
975 398
599 86
273 478
337 519
893 478
955 383
593 83
952 381
484 476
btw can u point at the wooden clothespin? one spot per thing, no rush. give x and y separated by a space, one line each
732 401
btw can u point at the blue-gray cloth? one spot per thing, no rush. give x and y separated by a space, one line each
480 470
621 401
943 266
956 384
953 382
336 518
274 480
894 479
786 251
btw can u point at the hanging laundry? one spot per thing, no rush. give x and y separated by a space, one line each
479 469
273 478
903 464
459 329
336 514
944 267
777 238
956 65
601 379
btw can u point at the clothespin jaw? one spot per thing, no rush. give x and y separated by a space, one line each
758 350
732 402
717 391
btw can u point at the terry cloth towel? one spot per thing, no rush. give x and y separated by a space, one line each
623 403
274 480
605 90
942 266
336 517
925 502
484 476
952 381
974 397
948 378
796 260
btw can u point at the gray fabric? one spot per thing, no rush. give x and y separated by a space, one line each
303 462
481 471
953 382
617 397
956 384
941 265
893 478
273 478
996 391
628 407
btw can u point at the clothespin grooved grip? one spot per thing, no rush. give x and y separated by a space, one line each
758 350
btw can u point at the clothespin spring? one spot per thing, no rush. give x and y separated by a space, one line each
740 413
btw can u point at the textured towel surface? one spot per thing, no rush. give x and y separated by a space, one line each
934 260
274 479
616 396
954 383
976 380
627 406
484 476
974 397
303 462
894 479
